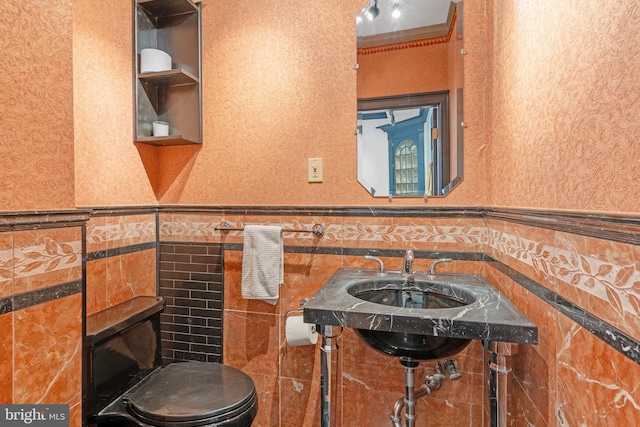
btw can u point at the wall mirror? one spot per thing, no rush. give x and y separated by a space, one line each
410 97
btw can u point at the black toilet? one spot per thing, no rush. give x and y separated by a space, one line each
127 386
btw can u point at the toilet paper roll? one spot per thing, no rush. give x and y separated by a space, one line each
154 60
160 128
299 333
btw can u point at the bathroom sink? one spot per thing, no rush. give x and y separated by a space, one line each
418 316
407 293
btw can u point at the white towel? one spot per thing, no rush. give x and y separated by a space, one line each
262 262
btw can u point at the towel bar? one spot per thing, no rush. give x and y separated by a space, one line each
317 229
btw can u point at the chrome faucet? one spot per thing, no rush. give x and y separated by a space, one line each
432 269
407 264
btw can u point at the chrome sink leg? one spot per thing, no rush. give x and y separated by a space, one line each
328 373
498 374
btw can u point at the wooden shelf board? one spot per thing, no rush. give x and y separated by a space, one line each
167 140
174 77
167 7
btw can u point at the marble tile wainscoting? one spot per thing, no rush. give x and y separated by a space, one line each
574 275
126 260
41 308
121 256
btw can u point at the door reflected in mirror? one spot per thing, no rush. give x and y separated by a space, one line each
410 97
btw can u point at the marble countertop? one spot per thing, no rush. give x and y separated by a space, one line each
489 315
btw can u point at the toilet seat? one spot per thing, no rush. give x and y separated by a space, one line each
193 394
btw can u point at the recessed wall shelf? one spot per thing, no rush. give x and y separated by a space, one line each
174 95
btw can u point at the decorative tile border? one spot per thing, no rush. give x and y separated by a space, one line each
6 305
114 232
427 233
619 285
117 232
623 343
6 264
46 256
113 228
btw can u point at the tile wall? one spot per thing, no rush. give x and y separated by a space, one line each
539 388
601 276
190 277
121 257
288 377
576 283
41 308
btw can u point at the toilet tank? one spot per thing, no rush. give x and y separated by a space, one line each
122 347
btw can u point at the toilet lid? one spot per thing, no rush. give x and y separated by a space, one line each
191 393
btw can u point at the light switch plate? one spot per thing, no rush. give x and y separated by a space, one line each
315 170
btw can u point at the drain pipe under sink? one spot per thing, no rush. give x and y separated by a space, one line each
431 384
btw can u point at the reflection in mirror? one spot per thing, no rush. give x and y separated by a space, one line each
409 85
404 153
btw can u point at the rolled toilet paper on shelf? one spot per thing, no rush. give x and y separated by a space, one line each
152 60
299 333
160 128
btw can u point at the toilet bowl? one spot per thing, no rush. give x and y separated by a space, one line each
126 385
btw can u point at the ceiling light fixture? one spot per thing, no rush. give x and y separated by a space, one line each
396 10
373 11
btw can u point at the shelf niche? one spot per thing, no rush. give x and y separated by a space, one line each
173 96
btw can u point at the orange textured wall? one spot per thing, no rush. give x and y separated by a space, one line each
565 112
278 88
109 169
36 105
409 70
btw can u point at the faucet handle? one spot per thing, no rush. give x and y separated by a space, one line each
432 269
381 267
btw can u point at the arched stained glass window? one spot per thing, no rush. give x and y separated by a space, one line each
406 168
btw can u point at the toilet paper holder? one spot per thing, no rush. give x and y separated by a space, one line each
297 332
301 304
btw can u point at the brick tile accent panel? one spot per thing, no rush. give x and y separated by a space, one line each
191 281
